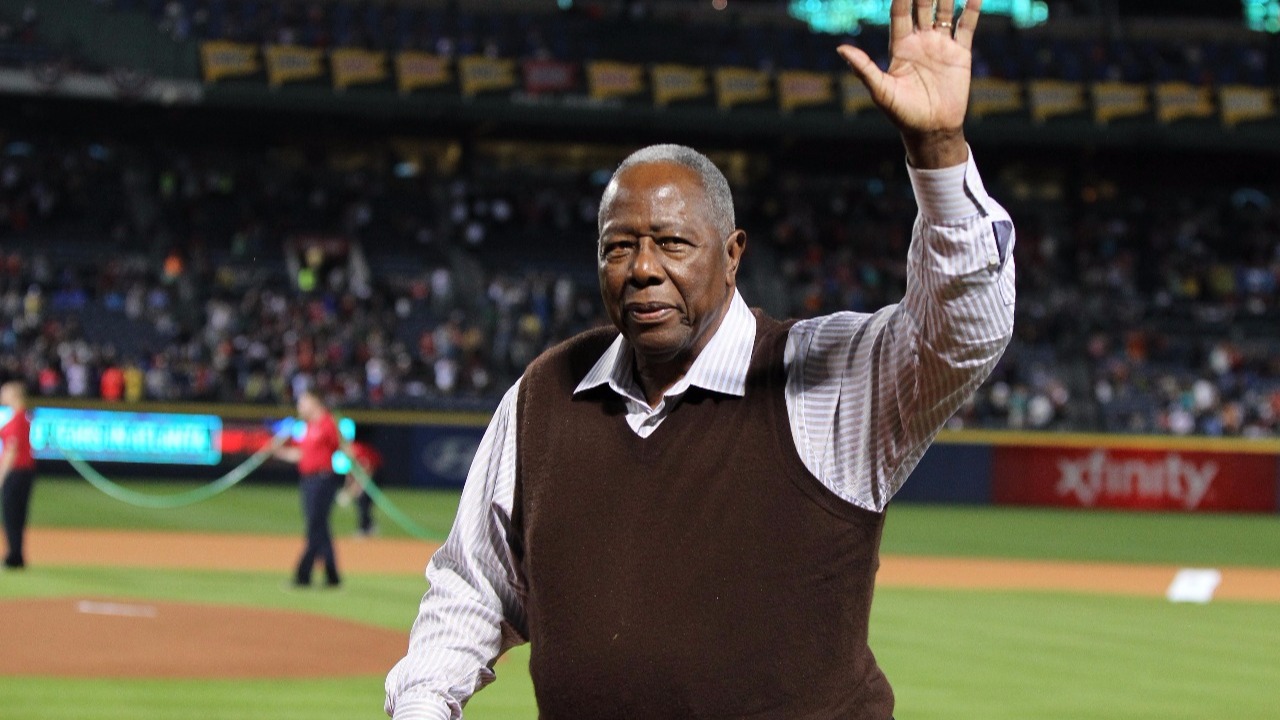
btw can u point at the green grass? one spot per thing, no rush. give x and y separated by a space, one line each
1104 536
910 529
1013 656
249 507
949 654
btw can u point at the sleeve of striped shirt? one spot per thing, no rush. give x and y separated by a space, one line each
867 393
470 614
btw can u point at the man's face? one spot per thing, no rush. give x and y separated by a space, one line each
6 397
307 406
666 272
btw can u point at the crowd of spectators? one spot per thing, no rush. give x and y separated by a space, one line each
20 43
631 31
133 271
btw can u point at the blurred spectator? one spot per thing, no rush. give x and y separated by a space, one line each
1141 309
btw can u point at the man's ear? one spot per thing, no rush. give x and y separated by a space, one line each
734 246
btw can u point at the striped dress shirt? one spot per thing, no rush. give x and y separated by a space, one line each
865 395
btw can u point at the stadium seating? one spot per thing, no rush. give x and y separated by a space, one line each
1139 310
666 37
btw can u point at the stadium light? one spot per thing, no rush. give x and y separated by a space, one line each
1262 15
847 16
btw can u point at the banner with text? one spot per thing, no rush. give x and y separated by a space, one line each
673 83
356 66
1179 100
856 96
1115 100
292 63
477 74
607 79
1165 480
1242 103
990 96
222 59
802 88
736 86
417 70
549 76
1052 98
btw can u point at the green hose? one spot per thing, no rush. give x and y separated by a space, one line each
168 502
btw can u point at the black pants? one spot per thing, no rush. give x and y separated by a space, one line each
364 512
318 492
16 498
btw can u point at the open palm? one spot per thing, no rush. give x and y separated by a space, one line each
926 88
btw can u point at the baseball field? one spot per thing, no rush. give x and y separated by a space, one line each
980 613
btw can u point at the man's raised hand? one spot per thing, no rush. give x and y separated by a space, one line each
925 91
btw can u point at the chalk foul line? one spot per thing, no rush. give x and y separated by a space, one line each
92 607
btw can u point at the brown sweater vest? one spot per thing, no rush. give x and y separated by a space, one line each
701 572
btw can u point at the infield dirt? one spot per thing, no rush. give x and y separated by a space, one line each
105 637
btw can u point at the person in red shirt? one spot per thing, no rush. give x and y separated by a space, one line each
369 460
111 384
313 455
17 471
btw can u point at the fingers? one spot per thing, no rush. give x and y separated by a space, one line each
864 67
968 24
946 13
900 24
923 13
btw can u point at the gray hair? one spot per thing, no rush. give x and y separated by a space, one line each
714 184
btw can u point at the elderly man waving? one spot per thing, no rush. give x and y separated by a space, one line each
682 513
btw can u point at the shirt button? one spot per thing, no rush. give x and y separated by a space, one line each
993 261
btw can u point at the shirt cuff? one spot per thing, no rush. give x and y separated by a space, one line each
950 194
425 708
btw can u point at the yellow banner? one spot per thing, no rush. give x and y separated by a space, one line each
221 59
856 96
1113 100
416 70
1178 100
677 82
989 96
607 79
1051 98
354 66
736 85
477 74
290 63
803 88
1242 103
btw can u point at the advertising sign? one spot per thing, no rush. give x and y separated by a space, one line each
127 437
1167 480
443 454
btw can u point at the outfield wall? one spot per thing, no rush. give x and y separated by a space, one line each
1087 471
434 450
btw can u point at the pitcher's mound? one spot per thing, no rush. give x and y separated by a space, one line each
94 638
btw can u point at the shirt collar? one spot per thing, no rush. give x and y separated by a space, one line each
721 366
